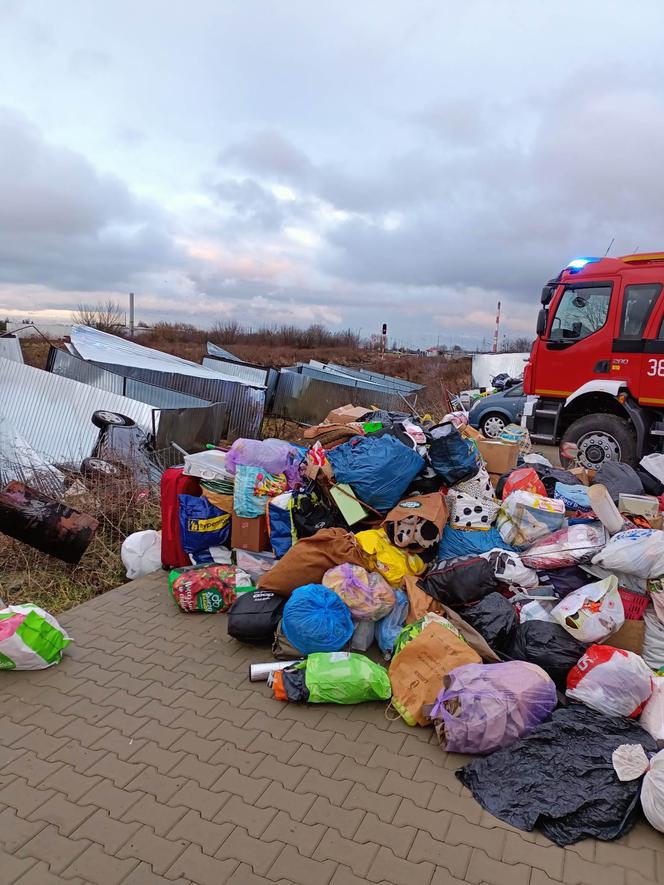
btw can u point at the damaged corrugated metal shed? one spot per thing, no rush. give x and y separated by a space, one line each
10 348
244 400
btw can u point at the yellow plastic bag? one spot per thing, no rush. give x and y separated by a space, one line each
393 564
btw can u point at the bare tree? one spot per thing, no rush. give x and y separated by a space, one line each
107 316
517 345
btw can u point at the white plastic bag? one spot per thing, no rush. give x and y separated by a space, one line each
509 569
536 611
524 517
30 638
591 613
652 792
652 718
141 553
637 552
654 464
629 761
611 680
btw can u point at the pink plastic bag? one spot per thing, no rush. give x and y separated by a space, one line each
488 706
570 546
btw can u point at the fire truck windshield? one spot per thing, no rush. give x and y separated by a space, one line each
581 311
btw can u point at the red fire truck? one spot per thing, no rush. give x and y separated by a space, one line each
595 376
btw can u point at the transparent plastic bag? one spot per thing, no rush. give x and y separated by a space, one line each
569 546
591 613
367 595
636 552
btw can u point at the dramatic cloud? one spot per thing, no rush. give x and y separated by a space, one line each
402 162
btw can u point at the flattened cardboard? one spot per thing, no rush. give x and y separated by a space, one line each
348 414
499 456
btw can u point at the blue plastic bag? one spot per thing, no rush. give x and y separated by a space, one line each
378 470
452 457
316 619
389 627
202 525
573 497
280 526
459 542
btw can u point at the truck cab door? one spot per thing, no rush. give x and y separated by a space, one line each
651 391
578 342
639 304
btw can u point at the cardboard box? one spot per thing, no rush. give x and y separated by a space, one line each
250 534
500 457
347 414
630 637
582 474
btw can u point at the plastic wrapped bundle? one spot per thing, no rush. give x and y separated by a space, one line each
388 629
611 680
207 588
525 517
484 707
367 595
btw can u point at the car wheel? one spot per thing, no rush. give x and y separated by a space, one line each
103 419
492 425
600 438
99 467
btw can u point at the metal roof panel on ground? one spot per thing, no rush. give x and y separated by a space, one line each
215 350
366 375
54 414
308 400
100 347
10 349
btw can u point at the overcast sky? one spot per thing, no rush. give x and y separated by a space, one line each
353 163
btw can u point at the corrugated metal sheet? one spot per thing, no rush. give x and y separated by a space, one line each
308 400
387 381
487 365
10 349
69 366
257 375
53 413
100 347
215 350
245 404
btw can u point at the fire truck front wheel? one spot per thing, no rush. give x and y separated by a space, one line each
601 438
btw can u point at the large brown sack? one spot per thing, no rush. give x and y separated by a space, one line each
417 671
420 604
307 561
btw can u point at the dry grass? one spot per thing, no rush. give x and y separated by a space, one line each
30 576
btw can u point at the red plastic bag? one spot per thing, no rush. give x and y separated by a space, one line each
524 479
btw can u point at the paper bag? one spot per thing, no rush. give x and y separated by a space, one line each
417 671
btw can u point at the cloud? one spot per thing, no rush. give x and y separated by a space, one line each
268 153
64 224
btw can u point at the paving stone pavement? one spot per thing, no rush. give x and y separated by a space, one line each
147 756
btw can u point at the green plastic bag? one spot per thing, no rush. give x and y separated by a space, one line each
337 677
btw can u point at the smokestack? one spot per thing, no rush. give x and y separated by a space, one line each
495 334
131 314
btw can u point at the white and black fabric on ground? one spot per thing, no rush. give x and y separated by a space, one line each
561 777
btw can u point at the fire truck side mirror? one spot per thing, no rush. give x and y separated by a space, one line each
547 294
541 322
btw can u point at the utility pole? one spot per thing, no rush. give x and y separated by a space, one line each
131 314
495 334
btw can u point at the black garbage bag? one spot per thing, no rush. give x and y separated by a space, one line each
651 485
565 580
549 646
618 479
560 777
494 617
460 580
254 617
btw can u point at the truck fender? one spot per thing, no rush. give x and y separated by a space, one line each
600 386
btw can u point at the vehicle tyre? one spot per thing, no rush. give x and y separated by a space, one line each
601 438
102 419
99 468
492 425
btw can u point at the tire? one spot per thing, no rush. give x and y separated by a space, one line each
102 419
492 425
99 467
601 438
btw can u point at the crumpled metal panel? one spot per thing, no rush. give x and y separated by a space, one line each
308 400
215 350
378 378
100 347
257 375
54 414
487 365
10 349
69 366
